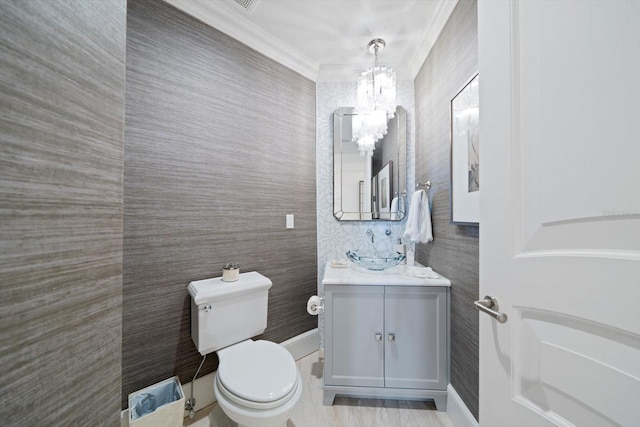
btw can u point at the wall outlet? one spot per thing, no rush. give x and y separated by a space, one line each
289 220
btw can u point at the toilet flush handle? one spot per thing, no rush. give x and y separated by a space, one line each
207 307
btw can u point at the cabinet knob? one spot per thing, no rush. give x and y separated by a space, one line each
392 337
378 336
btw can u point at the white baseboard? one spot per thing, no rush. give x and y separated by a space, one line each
299 346
458 412
303 344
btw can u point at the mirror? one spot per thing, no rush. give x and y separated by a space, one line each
369 186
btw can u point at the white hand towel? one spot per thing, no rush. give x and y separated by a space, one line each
418 227
412 230
426 232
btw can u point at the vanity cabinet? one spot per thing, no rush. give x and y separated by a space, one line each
386 342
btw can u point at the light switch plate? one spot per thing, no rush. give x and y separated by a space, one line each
289 220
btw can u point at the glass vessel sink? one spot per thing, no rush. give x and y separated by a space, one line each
376 263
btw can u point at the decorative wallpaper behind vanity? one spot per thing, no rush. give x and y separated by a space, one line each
335 237
454 251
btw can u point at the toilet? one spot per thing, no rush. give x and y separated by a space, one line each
257 382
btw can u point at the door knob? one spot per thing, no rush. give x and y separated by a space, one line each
378 336
489 305
392 337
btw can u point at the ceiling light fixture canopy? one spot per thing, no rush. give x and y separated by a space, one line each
376 100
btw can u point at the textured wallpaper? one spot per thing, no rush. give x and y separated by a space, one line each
454 251
335 237
62 78
219 148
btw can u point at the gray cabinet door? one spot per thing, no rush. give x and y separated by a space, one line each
415 337
353 317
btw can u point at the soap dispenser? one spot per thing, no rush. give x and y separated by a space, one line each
399 248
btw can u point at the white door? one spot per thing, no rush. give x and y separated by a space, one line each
560 212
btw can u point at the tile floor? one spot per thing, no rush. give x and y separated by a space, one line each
345 412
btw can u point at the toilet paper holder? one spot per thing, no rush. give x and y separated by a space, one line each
315 305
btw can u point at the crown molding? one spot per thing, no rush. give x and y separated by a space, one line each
430 35
226 18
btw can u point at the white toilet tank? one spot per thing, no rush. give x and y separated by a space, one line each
225 313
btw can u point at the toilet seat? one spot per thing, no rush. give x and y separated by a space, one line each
257 405
257 374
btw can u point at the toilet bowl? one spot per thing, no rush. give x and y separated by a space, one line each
257 383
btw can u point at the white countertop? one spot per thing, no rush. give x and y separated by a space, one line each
401 275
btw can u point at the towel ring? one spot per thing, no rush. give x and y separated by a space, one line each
426 185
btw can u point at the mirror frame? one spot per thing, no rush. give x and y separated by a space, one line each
399 169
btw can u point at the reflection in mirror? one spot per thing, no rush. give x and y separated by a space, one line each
369 185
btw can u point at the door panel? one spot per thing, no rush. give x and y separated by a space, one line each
576 92
417 356
560 212
567 364
353 317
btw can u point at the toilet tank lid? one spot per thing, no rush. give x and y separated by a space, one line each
204 291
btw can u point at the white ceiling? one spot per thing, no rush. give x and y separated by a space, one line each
326 40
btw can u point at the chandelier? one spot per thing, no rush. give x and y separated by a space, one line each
376 101
367 128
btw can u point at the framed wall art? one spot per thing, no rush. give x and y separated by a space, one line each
465 159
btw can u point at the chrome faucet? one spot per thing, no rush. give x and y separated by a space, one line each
369 234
